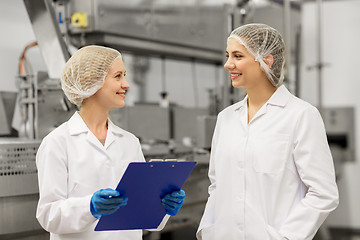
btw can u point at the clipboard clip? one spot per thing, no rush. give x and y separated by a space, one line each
165 160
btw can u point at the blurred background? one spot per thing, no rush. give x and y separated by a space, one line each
174 53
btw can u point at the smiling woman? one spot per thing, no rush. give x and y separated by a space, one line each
80 162
271 170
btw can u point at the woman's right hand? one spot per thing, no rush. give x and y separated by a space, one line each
106 201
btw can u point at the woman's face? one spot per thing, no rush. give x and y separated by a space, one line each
112 94
244 70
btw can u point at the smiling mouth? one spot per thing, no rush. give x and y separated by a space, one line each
233 76
236 75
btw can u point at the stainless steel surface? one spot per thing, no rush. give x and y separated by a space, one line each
148 122
46 29
7 106
18 214
18 174
340 124
43 104
205 129
53 107
28 106
160 29
185 123
19 187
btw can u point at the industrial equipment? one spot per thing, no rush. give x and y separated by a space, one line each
7 103
193 32
19 188
340 124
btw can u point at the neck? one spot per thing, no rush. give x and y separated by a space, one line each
95 117
257 97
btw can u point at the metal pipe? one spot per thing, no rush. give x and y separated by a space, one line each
195 83
287 37
229 26
320 63
163 74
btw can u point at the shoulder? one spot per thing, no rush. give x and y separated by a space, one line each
57 137
306 117
119 131
53 147
301 107
58 132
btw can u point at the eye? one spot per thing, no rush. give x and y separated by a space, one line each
118 76
227 55
238 56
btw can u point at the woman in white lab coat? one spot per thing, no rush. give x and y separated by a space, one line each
271 170
80 163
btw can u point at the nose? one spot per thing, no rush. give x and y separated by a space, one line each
125 85
229 65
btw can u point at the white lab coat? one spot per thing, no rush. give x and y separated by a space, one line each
72 165
271 179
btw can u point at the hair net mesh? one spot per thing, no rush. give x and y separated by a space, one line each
85 72
261 40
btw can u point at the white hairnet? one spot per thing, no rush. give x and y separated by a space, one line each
85 72
261 40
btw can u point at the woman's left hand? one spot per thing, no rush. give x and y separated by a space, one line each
173 202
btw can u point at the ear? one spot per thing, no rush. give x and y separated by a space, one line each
269 60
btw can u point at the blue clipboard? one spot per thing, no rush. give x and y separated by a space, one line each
145 183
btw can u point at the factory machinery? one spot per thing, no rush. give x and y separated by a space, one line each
168 31
164 31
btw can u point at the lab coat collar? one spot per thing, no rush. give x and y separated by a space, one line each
239 105
77 126
115 129
279 98
112 133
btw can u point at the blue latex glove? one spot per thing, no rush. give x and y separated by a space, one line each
173 202
105 202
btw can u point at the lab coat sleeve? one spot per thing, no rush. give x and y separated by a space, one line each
162 224
315 167
207 220
55 212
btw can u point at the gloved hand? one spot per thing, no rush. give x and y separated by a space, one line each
173 202
105 202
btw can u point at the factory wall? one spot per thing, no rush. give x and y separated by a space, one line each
341 37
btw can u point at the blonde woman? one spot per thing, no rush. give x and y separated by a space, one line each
80 163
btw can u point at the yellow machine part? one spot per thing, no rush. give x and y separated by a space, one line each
79 20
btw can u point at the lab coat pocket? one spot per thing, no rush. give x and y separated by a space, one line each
270 153
273 233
